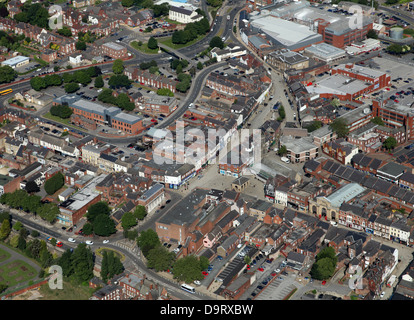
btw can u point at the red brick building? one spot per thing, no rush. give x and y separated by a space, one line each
114 50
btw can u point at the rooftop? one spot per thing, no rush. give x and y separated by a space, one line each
345 194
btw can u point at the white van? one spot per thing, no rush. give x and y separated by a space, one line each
285 160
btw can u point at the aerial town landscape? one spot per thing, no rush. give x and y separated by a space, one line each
206 150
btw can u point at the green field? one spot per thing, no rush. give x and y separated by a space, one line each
4 255
143 48
168 42
69 292
16 272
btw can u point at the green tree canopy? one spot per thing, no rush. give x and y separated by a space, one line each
71 87
103 225
148 240
54 183
152 43
160 259
390 143
99 208
99 83
216 42
118 66
187 269
340 127
325 264
128 220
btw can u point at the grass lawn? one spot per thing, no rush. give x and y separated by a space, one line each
168 42
69 292
144 48
16 272
4 255
62 121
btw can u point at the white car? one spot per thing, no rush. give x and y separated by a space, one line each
71 240
382 294
197 282
89 242
105 241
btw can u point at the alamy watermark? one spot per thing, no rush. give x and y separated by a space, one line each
56 20
56 279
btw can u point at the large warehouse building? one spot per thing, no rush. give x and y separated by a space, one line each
290 35
336 29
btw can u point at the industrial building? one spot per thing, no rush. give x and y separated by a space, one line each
286 34
16 62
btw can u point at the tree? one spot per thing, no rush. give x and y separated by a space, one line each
216 41
187 269
128 220
38 83
111 265
371 34
103 225
199 65
140 212
282 150
32 187
390 143
214 3
65 31
65 262
80 45
165 92
5 230
61 111
82 264
325 264
160 259
340 127
54 183
315 125
71 87
87 229
48 212
117 81
99 208
148 240
82 77
378 121
152 43
127 3
7 74
99 83
118 66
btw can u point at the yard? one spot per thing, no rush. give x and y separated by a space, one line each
16 272
69 292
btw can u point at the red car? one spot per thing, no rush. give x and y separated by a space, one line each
153 120
261 269
273 274
59 244
205 273
323 282
248 267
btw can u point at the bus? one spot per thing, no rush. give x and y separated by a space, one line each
7 91
187 288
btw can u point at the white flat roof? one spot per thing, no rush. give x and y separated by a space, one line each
15 60
287 32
